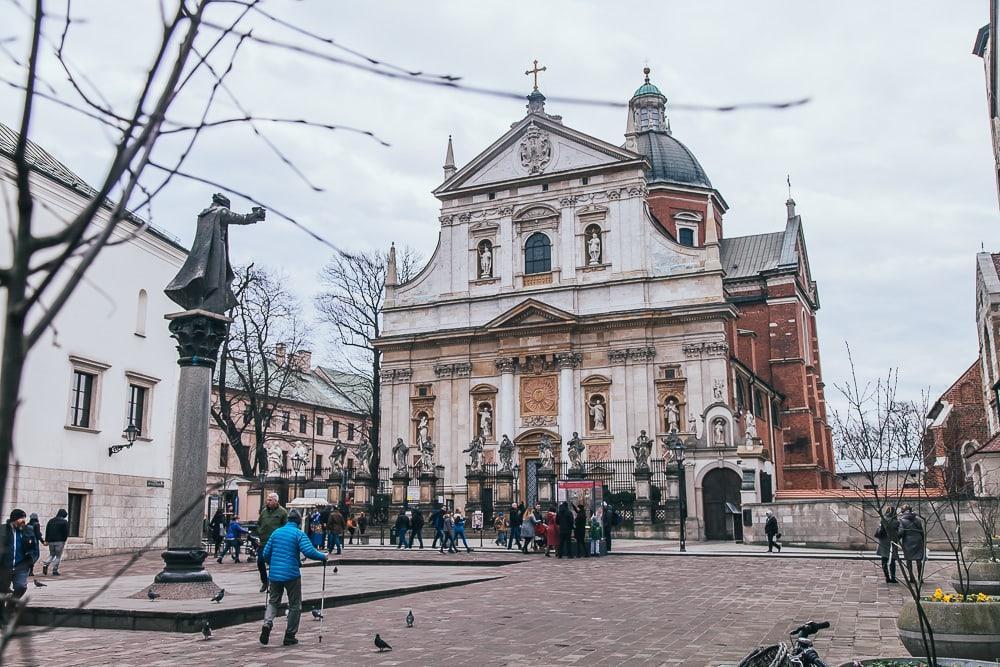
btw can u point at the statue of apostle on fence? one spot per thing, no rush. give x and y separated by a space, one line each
205 281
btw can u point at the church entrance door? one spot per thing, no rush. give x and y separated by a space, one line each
719 487
527 449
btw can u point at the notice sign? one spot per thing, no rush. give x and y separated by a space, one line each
154 483
579 491
413 494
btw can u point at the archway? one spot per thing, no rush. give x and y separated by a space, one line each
719 486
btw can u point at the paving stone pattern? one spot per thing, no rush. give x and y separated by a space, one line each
619 610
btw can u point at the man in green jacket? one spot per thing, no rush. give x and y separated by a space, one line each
272 517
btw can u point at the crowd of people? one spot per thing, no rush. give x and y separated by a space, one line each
568 529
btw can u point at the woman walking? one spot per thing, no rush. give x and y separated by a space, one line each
887 533
528 522
459 531
913 540
551 532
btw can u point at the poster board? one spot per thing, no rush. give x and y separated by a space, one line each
588 492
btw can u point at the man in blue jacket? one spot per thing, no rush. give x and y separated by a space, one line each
18 552
282 553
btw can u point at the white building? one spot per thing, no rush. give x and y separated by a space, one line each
109 359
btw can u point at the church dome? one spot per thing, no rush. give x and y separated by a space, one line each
648 89
671 160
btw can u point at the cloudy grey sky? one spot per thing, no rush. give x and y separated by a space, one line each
890 163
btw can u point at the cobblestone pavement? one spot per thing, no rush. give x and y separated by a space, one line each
619 610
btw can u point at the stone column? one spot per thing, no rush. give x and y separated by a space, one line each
198 334
506 418
643 503
566 362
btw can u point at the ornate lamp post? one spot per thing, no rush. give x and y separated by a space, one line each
130 434
677 447
298 461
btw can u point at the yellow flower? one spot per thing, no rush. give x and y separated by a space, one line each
982 597
938 594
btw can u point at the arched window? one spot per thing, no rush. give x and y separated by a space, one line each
593 245
538 254
140 314
685 236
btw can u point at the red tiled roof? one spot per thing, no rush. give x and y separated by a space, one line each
855 494
991 446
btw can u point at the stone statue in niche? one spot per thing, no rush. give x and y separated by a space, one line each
273 451
475 452
545 457
427 456
594 248
485 261
672 415
574 449
485 420
423 429
506 454
598 414
719 432
642 448
717 389
399 451
749 428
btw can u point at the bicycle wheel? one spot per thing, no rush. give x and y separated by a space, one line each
766 656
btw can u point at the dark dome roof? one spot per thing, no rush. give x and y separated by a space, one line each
671 161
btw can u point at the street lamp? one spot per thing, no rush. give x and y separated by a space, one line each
298 461
130 434
677 447
261 477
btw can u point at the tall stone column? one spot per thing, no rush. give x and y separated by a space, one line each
505 365
199 334
566 362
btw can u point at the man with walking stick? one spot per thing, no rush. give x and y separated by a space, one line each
282 553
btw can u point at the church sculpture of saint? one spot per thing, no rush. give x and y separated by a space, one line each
642 448
274 458
475 452
485 421
423 430
719 429
750 428
399 451
546 459
338 456
717 387
205 280
672 415
598 414
427 456
506 454
574 449
486 262
364 453
594 249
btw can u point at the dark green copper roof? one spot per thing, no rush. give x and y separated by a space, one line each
671 161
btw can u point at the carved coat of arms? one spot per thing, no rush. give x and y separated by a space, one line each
535 150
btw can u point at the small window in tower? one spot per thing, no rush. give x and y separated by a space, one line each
685 236
545 187
491 196
585 180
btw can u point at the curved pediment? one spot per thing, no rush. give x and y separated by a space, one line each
535 212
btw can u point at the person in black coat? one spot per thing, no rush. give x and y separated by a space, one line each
18 552
56 534
217 529
402 526
36 527
416 527
564 521
914 542
514 519
580 532
771 530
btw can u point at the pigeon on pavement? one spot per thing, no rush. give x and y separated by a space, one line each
409 619
39 584
206 630
380 643
317 614
218 596
152 595
335 569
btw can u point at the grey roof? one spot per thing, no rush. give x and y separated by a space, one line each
355 388
311 388
45 163
748 256
671 161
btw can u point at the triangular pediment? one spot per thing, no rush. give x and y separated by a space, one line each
531 313
536 147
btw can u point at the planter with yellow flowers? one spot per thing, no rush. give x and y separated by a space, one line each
964 626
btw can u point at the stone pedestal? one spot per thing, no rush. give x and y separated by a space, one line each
577 474
643 509
399 483
333 495
546 487
428 485
474 492
504 489
198 334
363 492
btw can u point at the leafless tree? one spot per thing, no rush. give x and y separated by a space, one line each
257 368
352 306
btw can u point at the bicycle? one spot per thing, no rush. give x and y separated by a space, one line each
799 653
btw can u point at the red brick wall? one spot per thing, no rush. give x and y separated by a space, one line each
666 205
966 421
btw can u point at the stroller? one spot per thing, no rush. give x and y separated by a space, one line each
252 546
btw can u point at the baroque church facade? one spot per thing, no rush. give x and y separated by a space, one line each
585 289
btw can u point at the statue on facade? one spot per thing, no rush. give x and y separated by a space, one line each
423 430
364 454
598 414
506 454
717 388
205 280
427 456
486 261
594 249
672 415
274 458
399 451
485 421
545 457
693 422
719 431
475 452
642 448
338 456
299 453
749 428
574 449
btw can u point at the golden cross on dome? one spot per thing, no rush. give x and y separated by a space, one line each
535 72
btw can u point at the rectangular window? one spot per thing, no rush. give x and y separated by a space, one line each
82 400
545 187
585 180
286 419
77 508
336 429
284 460
350 431
685 236
319 426
302 423
318 470
739 394
492 196
758 405
224 455
137 406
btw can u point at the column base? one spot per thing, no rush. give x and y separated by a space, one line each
183 566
